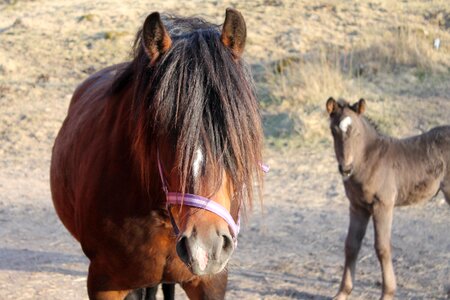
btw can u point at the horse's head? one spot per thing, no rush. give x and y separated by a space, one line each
200 117
347 129
206 238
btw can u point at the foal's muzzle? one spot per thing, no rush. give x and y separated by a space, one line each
346 171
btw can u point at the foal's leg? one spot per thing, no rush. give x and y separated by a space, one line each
208 288
382 221
359 219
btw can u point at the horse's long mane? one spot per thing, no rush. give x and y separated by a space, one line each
197 95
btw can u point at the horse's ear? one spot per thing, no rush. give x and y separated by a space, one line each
234 32
331 105
155 38
360 106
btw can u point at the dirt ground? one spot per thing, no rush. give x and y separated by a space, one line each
292 248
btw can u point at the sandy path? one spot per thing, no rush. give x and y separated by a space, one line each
292 250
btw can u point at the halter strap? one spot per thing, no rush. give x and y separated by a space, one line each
207 204
265 168
174 198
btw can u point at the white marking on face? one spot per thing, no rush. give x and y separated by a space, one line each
345 123
201 255
197 162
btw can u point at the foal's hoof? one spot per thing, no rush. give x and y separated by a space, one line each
340 296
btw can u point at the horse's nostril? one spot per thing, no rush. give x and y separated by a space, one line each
227 243
182 249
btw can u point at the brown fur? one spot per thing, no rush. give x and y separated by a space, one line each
104 177
379 173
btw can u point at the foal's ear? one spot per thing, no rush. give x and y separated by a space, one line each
155 38
234 32
331 105
360 106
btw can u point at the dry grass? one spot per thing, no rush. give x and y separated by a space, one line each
299 86
402 47
299 89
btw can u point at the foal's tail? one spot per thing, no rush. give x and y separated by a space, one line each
447 194
445 187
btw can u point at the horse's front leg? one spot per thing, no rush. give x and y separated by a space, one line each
382 221
99 285
207 287
359 218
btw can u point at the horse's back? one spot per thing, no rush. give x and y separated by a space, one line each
422 165
73 155
437 146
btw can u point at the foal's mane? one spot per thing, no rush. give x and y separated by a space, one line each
196 95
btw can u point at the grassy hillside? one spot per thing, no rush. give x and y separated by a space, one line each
301 52
385 52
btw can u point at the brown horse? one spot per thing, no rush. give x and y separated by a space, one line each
381 172
180 119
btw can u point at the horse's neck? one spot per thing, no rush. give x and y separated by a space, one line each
377 145
374 144
371 136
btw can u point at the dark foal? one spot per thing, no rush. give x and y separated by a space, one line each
381 172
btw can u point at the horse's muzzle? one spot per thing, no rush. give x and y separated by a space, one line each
346 171
207 254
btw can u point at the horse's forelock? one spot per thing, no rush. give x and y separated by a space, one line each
198 94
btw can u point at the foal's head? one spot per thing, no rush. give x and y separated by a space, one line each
346 127
195 104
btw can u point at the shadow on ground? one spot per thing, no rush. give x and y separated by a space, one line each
40 261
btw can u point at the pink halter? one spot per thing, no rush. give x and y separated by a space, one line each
174 198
